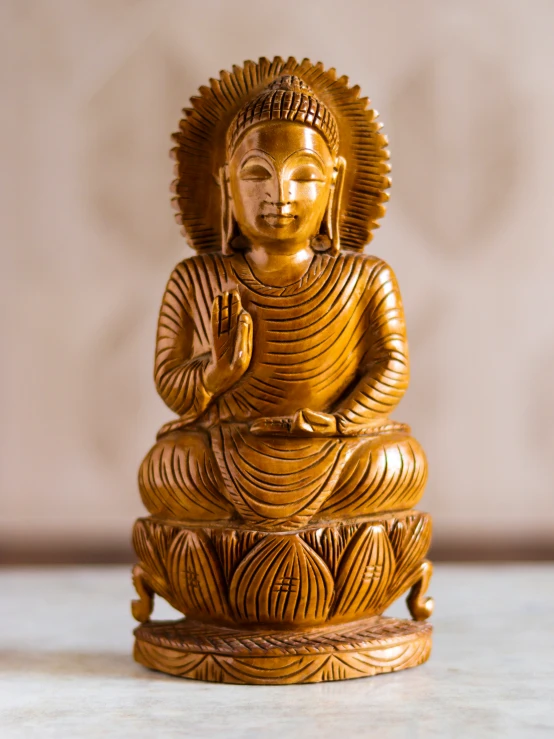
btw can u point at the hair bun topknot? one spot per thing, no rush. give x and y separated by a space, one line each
292 83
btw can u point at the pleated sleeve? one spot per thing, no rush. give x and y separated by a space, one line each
385 367
182 348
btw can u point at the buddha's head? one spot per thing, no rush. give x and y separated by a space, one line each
283 174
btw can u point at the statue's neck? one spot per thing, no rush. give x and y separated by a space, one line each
279 266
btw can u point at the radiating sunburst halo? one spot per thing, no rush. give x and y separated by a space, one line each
201 142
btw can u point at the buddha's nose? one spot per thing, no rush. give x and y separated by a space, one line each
280 193
280 204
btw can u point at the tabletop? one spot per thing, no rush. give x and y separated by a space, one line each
66 668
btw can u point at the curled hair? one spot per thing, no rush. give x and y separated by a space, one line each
287 98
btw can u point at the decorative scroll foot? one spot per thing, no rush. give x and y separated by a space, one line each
420 607
142 608
273 657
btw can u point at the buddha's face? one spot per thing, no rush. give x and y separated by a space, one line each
280 180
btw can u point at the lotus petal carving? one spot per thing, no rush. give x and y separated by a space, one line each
282 580
195 576
365 572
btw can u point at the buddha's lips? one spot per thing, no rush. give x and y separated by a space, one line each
278 219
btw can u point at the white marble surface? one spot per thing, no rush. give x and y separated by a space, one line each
66 668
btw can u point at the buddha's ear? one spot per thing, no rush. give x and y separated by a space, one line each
231 237
330 226
228 223
335 203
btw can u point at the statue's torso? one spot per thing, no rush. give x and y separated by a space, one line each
309 337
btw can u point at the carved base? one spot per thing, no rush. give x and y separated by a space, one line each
340 652
328 573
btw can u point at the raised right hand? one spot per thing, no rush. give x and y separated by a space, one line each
231 343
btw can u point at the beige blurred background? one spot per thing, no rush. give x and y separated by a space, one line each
91 91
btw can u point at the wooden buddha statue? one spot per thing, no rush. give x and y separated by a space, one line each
280 499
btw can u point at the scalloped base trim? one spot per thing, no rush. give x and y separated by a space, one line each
340 652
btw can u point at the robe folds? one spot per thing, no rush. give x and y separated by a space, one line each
334 341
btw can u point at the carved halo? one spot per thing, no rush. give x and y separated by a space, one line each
201 144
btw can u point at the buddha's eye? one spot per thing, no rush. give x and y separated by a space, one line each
307 173
255 172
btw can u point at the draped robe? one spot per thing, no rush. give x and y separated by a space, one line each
333 341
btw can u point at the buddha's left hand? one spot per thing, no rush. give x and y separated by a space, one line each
304 423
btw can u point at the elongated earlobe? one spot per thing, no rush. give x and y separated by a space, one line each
333 209
226 210
328 239
231 238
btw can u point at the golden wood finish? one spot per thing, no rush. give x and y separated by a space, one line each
360 649
336 572
281 498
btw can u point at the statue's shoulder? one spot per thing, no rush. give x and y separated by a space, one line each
208 260
367 264
201 267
